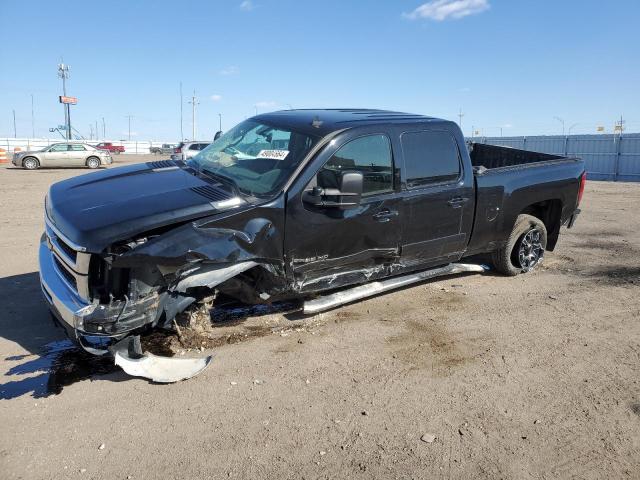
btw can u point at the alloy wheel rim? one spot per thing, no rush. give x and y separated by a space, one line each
531 250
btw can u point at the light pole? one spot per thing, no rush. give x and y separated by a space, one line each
90 131
33 123
193 102
460 115
129 117
562 122
181 104
104 129
572 127
15 135
63 73
220 119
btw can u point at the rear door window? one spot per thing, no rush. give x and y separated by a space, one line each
77 148
430 157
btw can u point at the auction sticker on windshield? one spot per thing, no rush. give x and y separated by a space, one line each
273 154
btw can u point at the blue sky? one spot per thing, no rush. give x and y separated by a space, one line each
514 64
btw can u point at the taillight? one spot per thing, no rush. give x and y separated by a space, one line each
177 150
583 182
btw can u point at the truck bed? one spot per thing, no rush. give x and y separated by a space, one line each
485 157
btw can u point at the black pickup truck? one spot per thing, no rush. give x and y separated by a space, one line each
294 203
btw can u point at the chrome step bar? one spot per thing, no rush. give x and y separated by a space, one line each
333 300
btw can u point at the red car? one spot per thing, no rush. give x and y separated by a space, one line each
110 147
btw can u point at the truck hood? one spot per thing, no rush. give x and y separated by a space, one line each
98 209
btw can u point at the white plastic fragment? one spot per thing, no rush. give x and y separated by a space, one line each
162 369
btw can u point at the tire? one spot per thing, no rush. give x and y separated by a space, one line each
93 162
524 249
30 163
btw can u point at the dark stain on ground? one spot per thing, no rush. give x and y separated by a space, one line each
59 364
635 408
427 345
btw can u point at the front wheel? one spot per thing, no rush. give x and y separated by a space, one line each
93 162
30 163
525 247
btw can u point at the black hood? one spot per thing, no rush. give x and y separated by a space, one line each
97 209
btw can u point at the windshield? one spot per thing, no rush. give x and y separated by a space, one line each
256 158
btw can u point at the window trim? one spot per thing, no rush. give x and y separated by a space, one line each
347 141
435 182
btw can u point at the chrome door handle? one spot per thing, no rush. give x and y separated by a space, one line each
457 202
385 215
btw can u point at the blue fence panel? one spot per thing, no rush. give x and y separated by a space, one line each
606 157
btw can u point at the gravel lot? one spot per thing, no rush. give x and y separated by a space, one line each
530 377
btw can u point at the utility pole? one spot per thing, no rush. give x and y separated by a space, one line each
97 130
104 129
33 123
181 104
562 122
193 102
220 125
129 117
619 126
460 115
15 135
63 73
90 131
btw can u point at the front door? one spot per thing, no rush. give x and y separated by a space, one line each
328 247
56 156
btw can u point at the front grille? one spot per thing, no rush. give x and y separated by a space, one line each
211 193
70 252
66 274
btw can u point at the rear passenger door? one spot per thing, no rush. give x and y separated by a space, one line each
437 207
77 154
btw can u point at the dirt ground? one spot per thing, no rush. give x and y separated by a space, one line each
536 376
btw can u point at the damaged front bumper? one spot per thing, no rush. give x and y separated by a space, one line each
85 319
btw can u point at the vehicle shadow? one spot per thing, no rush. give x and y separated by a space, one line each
52 361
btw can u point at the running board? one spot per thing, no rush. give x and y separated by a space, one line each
333 300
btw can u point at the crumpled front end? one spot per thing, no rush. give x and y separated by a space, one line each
145 281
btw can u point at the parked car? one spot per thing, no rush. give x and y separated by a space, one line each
71 154
186 150
296 204
110 147
167 148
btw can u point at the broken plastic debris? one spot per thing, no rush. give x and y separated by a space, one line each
162 369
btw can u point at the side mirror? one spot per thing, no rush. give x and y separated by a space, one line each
217 135
346 197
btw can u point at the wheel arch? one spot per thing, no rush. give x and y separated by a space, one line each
550 213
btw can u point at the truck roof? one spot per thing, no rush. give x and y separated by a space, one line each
321 122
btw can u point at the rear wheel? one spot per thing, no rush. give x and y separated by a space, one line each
93 162
30 163
524 249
